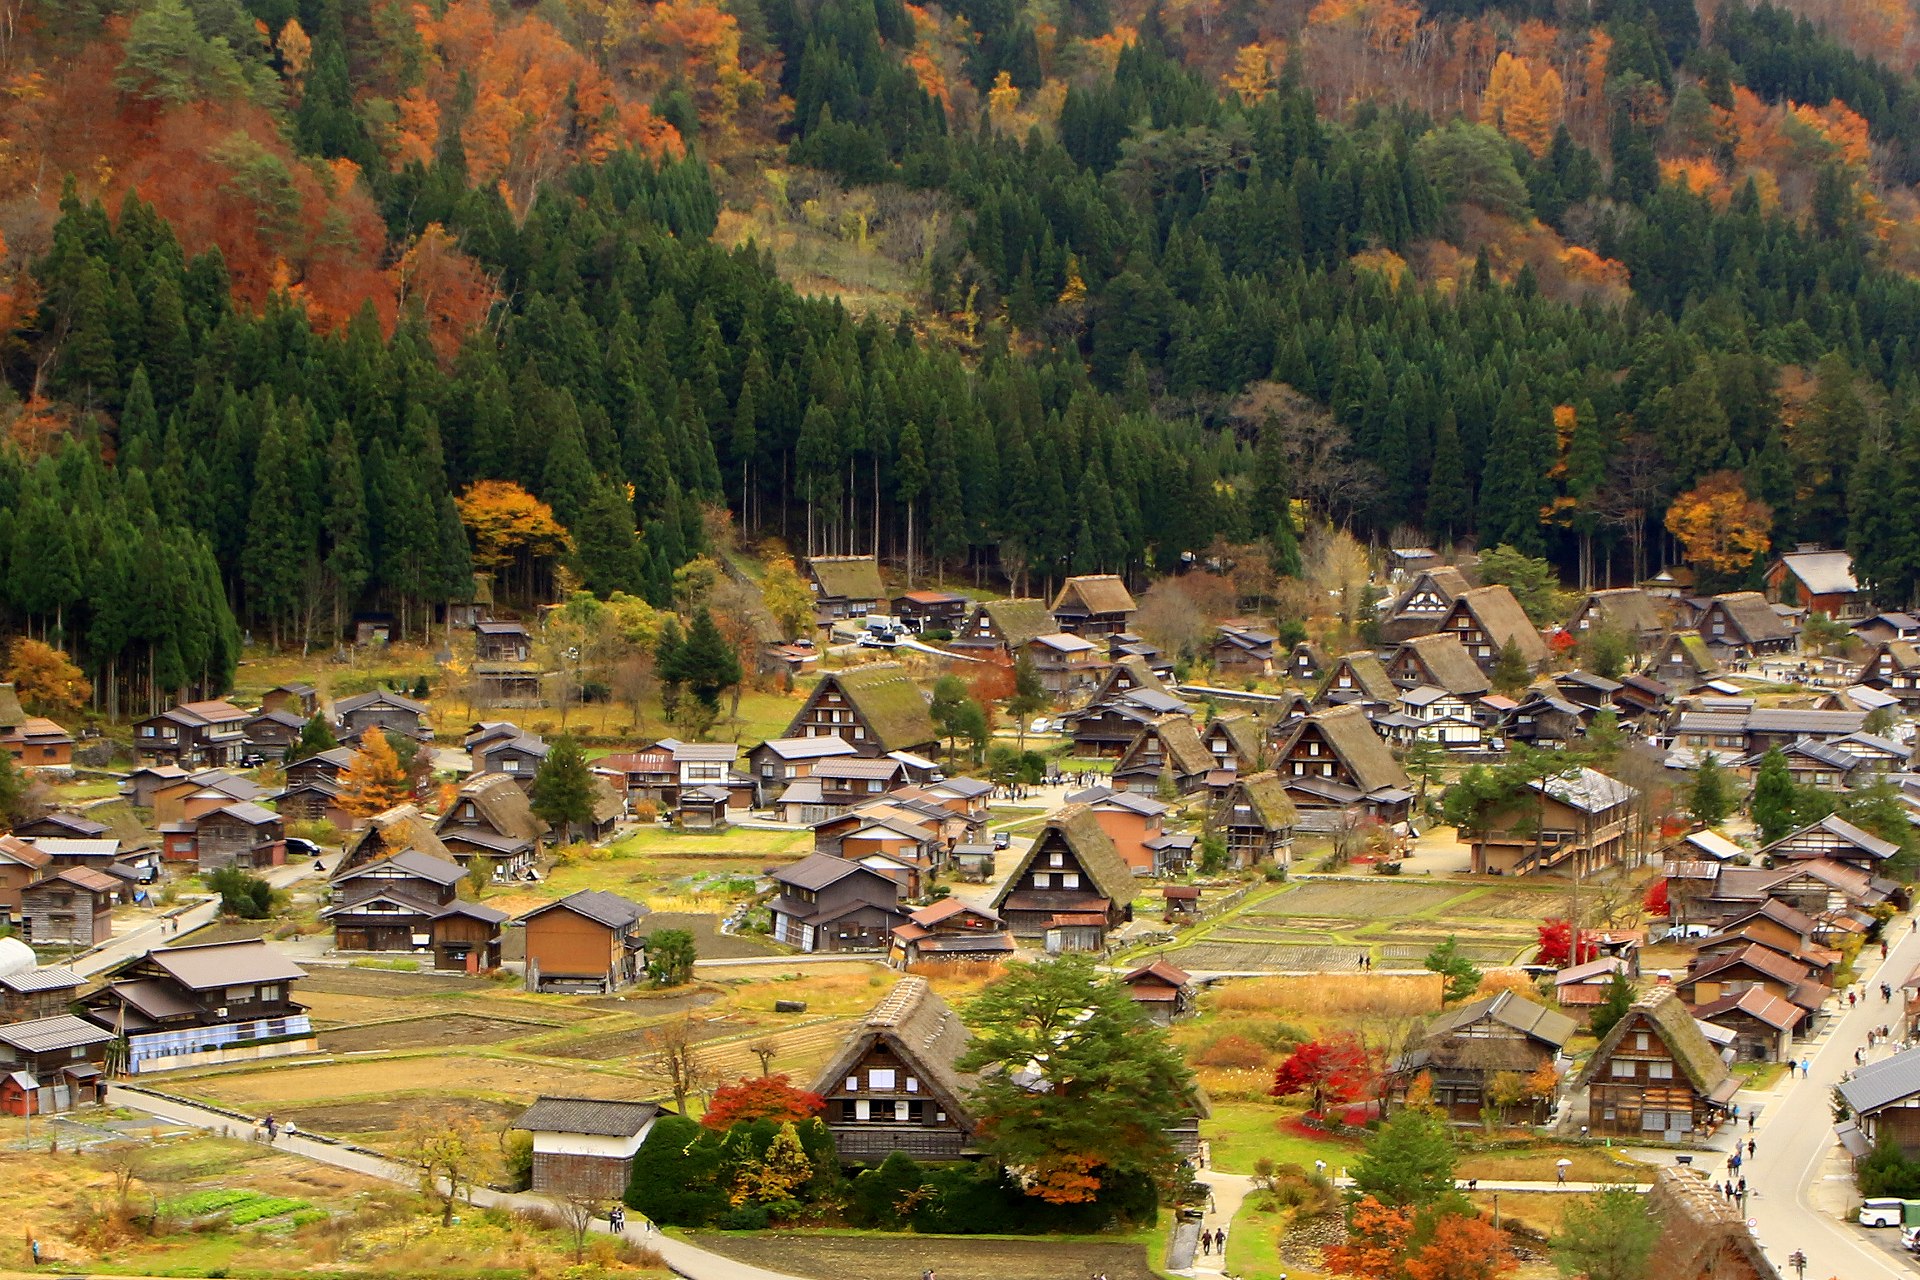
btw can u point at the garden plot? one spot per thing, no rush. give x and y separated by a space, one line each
950 1258
432 1031
1356 900
1480 951
1513 904
1245 957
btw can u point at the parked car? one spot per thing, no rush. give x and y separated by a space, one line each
1910 1239
1001 839
301 848
1882 1212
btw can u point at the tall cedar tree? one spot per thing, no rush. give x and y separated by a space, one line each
1608 1235
706 663
375 780
1774 797
1409 1161
316 735
1618 1001
562 792
1115 1081
1710 798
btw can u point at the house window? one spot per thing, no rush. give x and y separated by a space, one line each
1659 1071
1056 860
862 1110
913 1085
1042 880
1070 880
881 1078
853 1084
1640 1040
1621 1069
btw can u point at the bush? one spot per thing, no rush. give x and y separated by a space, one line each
517 1158
1233 1051
242 893
675 1179
879 1195
745 1217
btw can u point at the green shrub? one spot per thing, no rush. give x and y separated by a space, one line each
745 1217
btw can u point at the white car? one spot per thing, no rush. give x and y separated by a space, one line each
1882 1212
1910 1239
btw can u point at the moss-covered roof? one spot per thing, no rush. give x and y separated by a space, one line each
1662 1012
848 577
1267 796
887 701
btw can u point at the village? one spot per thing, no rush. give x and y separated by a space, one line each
1588 882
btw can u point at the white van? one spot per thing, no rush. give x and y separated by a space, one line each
1881 1212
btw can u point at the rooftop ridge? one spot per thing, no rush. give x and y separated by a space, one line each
898 1003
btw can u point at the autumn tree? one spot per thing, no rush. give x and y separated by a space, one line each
451 1150
1524 101
1461 1248
760 1098
1722 528
1251 79
1332 1069
787 598
374 781
1608 1235
1376 1243
509 527
1556 947
44 677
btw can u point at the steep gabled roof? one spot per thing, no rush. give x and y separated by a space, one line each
1535 1021
1094 593
1750 613
401 827
848 577
501 803
1266 794
1502 618
597 905
1242 731
1179 743
887 701
1076 826
1448 664
1628 608
1019 621
1661 1010
924 1034
1369 677
1822 573
1445 579
1352 737
12 714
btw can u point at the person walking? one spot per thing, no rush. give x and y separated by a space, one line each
1752 1146
1206 1242
1805 1067
273 1129
617 1219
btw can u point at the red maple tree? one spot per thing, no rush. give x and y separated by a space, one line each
1335 1069
1656 901
1556 948
761 1098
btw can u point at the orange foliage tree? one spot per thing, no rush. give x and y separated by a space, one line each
1721 526
1461 1248
373 781
1524 101
507 522
1376 1244
449 287
45 678
760 1098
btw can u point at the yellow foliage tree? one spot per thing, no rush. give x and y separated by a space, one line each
1074 292
1524 103
1003 101
373 781
507 522
1719 524
787 598
46 680
1252 74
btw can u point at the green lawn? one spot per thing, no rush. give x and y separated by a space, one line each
1253 1245
650 842
1241 1132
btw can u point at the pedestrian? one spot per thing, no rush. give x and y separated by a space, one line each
1749 1122
1743 1188
272 1128
1883 948
1560 1173
617 1220
1913 924
1803 1068
1220 1240
1886 993
1849 999
1206 1242
34 1245
1751 1147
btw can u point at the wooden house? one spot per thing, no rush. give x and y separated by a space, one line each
1418 610
702 808
384 710
1442 717
1333 760
1627 610
895 1084
1702 1233
648 774
1742 626
1656 1075
886 840
828 903
239 835
517 755
29 989
1462 1051
1685 662
1642 699
924 611
296 698
1832 837
1710 978
1884 1097
1094 605
777 763
1068 665
950 931
1233 740
1542 718
1890 625
1122 645
1894 666
141 786
37 743
1170 747
589 940
271 735
1107 726
315 800
134 863
1577 823
1244 652
505 673
1257 819
844 587
1357 679
491 818
326 766
502 642
1818 764
1781 726
1819 580
1070 887
402 827
1587 690
192 735
845 781
877 708
1161 989
187 798
1439 660
52 1064
411 902
1002 628
1579 989
1307 663
70 907
20 865
202 1005
1486 619
1763 1024
585 1146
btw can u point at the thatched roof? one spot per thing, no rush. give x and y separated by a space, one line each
1662 1012
503 806
1363 751
1628 608
1140 670
1094 593
1019 622
1447 664
1243 734
1693 651
1076 828
1267 796
1502 618
400 828
848 577
1180 745
1752 615
1445 580
888 702
926 1036
1702 1233
12 714
1369 677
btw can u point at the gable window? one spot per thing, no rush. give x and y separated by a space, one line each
880 1077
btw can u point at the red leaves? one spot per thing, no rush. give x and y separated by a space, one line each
1554 944
1656 902
765 1098
1336 1069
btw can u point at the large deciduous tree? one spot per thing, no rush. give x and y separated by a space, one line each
1329 1070
375 780
1721 527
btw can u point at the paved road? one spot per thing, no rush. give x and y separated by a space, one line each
165 930
1797 1198
685 1259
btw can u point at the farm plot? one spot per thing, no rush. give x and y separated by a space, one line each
378 1116
1356 900
429 1032
1411 951
1512 904
438 1077
1254 957
963 1258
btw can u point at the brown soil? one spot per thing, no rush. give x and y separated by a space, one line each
631 1043
388 982
646 1004
949 1257
708 942
423 1033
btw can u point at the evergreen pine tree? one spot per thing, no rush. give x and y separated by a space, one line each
1449 495
274 563
607 550
345 522
562 792
316 735
707 663
1273 499
1774 797
1710 798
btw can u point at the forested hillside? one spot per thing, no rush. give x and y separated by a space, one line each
285 280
